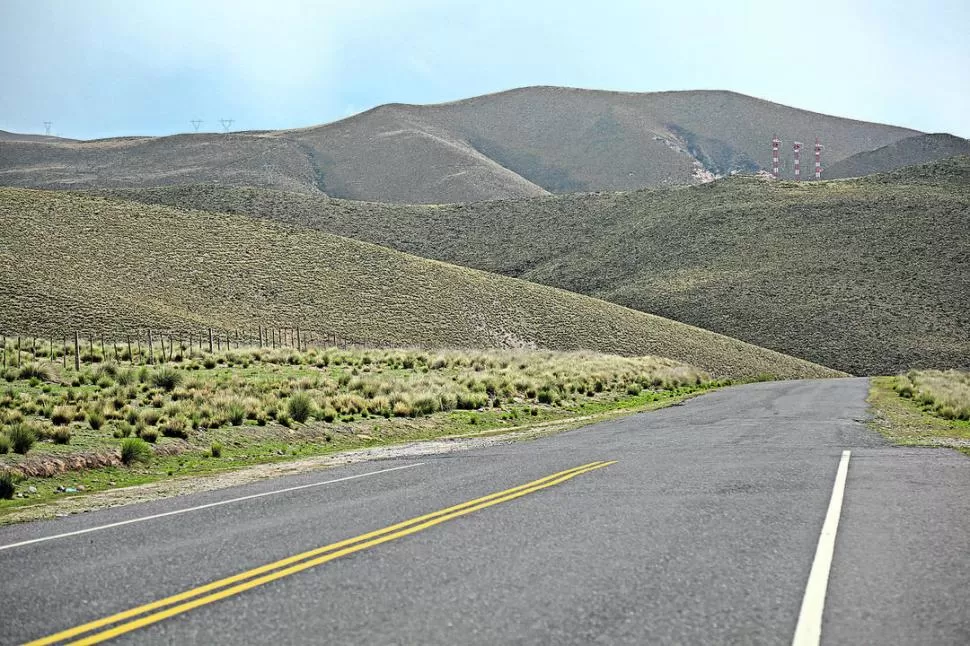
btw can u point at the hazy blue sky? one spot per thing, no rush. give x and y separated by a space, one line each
112 67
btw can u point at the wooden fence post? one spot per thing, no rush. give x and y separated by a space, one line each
151 349
18 351
52 349
64 352
77 350
299 346
104 356
210 340
161 340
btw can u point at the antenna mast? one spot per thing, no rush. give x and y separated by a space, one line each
818 159
47 127
797 147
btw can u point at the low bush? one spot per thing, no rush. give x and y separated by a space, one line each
215 450
236 414
123 429
135 450
4 444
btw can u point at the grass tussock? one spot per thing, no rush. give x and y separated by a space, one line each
943 393
255 397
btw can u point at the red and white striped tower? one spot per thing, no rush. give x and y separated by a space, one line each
797 147
775 146
818 159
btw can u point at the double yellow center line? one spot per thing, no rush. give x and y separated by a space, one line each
150 613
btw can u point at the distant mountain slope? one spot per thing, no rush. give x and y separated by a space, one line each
868 275
520 143
16 136
921 149
78 262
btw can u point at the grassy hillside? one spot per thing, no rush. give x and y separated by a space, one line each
521 143
71 261
911 151
867 275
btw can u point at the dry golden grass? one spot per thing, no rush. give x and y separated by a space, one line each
944 393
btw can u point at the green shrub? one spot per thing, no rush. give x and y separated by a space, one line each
328 414
299 407
284 419
62 415
215 450
123 429
166 378
7 484
22 437
4 445
125 377
61 435
135 450
209 363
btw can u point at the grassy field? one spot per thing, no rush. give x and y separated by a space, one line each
868 275
520 143
924 408
127 424
72 262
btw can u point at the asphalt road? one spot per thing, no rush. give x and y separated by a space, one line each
703 531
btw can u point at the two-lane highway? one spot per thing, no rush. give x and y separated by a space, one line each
700 523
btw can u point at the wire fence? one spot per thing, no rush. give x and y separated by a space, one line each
155 346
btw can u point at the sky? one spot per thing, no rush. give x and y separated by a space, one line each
100 68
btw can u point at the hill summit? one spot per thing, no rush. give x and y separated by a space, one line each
526 142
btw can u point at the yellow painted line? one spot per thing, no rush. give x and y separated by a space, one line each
272 571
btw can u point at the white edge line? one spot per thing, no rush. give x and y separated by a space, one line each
206 506
808 630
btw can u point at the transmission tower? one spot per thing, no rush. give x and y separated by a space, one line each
226 124
196 123
47 127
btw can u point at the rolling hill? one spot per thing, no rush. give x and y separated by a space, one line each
521 143
867 275
81 262
911 151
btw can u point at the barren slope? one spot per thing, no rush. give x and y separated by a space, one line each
921 149
70 262
868 275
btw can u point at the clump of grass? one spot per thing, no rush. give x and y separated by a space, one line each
166 378
123 429
175 427
22 437
135 450
96 418
35 371
945 394
150 435
300 407
8 484
236 413
215 450
62 415
61 435
4 444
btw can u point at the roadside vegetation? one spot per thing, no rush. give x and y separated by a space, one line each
113 424
924 408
